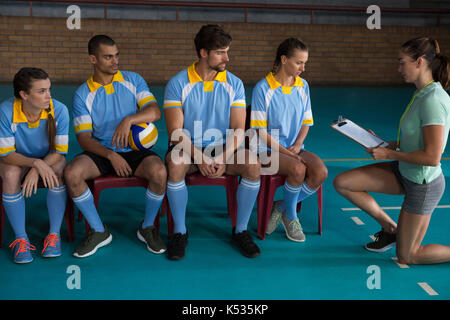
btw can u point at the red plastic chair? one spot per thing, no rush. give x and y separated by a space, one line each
98 184
68 214
269 185
197 179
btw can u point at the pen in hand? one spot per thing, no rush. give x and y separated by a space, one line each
378 145
368 150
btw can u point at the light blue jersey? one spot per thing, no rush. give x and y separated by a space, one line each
100 109
208 103
31 139
286 109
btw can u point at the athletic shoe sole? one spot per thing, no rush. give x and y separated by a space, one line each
51 255
386 248
140 237
175 258
287 235
90 253
23 261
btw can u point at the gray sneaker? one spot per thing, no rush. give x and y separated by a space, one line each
275 218
293 229
92 242
150 236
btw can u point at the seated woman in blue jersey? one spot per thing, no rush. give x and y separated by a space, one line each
33 143
416 170
281 112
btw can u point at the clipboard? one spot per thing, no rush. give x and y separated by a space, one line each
358 134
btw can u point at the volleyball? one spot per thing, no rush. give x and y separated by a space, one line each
142 136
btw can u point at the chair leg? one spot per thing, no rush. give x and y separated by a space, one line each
259 214
80 216
260 208
231 202
170 223
69 216
156 222
320 205
2 223
269 195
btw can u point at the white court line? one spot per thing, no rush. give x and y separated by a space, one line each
392 208
401 265
425 286
357 221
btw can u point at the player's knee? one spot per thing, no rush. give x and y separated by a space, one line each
157 173
175 170
319 176
298 172
340 182
11 174
73 174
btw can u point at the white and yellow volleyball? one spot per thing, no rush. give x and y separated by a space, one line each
142 136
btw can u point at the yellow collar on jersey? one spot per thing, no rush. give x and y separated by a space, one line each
20 117
273 83
94 86
194 77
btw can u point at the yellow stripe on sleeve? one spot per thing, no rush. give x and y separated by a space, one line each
258 123
308 121
82 127
144 101
6 150
64 148
174 104
236 104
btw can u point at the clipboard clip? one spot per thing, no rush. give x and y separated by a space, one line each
341 121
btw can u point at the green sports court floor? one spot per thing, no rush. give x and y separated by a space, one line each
333 266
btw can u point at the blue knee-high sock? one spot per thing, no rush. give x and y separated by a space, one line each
85 203
14 205
246 197
56 205
177 195
290 200
152 204
305 192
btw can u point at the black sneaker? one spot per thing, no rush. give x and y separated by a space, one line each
177 246
92 242
243 240
383 242
151 237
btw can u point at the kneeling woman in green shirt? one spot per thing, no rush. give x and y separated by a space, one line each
416 170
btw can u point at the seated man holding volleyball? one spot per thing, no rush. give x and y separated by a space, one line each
105 108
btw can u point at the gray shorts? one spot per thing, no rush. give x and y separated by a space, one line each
420 198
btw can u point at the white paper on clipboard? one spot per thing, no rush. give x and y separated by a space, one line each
358 134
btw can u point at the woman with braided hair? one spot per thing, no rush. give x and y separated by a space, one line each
33 143
281 113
